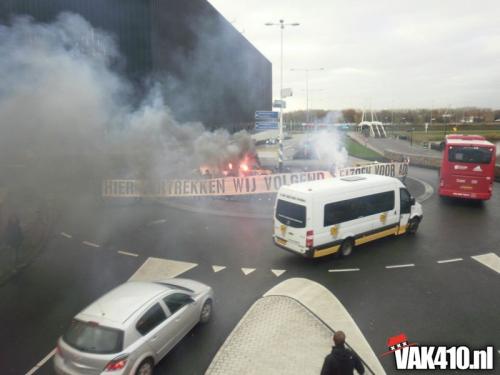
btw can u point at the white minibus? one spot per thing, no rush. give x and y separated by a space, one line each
318 218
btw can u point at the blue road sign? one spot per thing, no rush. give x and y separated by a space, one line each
266 115
266 125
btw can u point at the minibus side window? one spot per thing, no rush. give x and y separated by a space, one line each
351 209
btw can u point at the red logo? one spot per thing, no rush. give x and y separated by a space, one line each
397 342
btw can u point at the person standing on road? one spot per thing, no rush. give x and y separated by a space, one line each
14 236
341 361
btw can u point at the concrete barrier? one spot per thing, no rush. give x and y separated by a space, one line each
425 161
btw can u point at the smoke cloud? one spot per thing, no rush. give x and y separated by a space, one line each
66 114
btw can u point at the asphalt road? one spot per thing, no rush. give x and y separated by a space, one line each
455 303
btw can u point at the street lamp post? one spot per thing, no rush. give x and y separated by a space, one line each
307 86
282 25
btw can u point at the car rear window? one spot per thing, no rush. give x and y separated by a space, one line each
291 214
90 337
477 155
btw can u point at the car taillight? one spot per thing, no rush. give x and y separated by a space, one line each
58 350
441 183
118 363
310 238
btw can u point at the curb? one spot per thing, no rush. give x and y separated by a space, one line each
307 308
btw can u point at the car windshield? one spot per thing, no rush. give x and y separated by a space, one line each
92 338
291 214
477 155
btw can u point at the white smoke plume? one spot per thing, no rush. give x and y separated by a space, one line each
330 147
67 114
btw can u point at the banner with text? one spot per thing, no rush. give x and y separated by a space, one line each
236 185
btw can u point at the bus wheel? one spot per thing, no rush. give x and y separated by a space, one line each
346 247
413 225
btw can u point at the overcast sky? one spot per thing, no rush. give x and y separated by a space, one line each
379 53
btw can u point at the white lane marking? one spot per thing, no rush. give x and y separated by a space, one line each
91 244
490 260
343 270
154 269
247 271
450 260
159 221
42 362
400 265
64 234
428 190
127 253
218 268
278 273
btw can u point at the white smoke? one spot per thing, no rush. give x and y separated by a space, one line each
66 112
330 147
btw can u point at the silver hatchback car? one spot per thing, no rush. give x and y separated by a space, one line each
131 328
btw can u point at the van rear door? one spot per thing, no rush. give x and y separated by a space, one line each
290 224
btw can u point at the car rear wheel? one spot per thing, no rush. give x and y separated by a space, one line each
145 368
206 312
346 247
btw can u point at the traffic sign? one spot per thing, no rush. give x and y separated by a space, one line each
262 125
266 115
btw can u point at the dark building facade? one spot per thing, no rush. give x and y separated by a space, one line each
209 72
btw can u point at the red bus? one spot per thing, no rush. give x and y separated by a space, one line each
468 167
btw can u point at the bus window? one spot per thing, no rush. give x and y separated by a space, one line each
291 214
477 155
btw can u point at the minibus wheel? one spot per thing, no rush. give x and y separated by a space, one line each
413 225
346 247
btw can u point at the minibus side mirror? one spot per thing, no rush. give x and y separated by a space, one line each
412 201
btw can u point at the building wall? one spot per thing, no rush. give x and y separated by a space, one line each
210 72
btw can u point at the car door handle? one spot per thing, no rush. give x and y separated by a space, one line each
154 338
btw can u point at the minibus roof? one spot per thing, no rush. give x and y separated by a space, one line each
359 181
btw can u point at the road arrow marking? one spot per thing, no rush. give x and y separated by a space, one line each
91 244
490 260
247 271
278 273
66 235
154 269
218 268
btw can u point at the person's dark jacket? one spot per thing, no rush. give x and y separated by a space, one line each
342 361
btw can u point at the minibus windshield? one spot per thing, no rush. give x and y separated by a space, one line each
291 214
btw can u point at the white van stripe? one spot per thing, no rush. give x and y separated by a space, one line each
154 269
490 260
